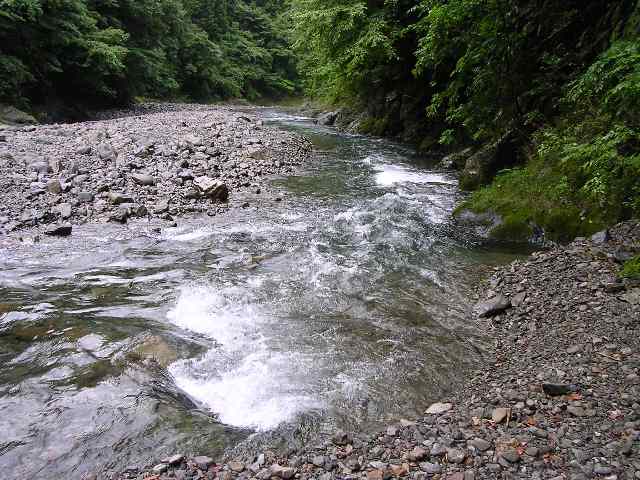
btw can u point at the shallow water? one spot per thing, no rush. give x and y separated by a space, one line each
344 304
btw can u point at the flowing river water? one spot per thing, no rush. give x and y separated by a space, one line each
345 304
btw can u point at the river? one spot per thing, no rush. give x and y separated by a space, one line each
345 304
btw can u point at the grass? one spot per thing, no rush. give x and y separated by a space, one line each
631 268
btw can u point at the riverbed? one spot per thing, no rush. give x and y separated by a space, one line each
344 303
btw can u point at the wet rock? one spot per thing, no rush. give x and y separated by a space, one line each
59 230
556 389
493 306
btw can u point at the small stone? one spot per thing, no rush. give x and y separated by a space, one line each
85 197
437 450
282 472
399 470
59 230
83 150
173 460
481 444
576 411
236 466
392 431
107 152
438 408
340 437
143 179
203 462
556 389
375 475
160 468
499 414
53 186
455 456
602 469
532 451
430 468
318 461
65 210
117 198
417 454
510 455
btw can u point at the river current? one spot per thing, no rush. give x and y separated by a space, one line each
345 304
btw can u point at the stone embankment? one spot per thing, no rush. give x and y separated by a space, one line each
557 398
157 161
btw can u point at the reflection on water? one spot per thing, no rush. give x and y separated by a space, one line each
346 303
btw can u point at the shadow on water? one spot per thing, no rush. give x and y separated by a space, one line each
345 304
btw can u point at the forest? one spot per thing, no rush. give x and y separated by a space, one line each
540 96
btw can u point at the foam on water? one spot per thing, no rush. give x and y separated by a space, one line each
390 174
241 379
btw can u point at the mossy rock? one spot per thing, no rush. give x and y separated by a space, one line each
12 116
631 269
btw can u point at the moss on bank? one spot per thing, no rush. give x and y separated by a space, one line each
631 268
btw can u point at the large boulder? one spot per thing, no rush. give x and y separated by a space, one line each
482 166
327 118
12 116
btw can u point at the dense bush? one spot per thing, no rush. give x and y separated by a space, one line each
108 52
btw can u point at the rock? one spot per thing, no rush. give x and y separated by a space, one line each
173 460
12 116
236 466
318 461
576 411
438 408
499 414
481 444
3 138
119 216
282 472
375 475
161 468
556 389
143 179
327 118
510 455
59 230
85 197
65 210
161 207
340 437
53 186
399 470
437 450
481 167
203 462
417 454
212 189
107 152
493 306
117 198
601 238
455 456
83 150
430 468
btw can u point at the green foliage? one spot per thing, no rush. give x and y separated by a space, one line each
585 171
108 52
631 268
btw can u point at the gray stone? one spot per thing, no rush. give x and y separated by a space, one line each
117 198
85 197
430 468
203 462
341 437
65 210
455 456
143 179
499 414
59 230
510 455
601 238
212 189
107 152
282 472
576 411
493 306
83 150
438 408
160 468
173 459
481 444
53 186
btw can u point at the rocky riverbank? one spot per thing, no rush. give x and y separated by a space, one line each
557 398
153 162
